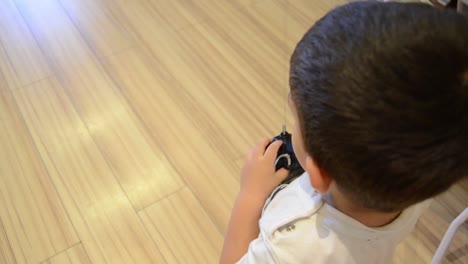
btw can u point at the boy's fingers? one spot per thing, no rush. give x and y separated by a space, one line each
282 174
261 146
272 150
253 151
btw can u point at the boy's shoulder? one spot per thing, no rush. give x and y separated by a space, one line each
289 203
297 225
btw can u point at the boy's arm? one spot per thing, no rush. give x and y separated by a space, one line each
242 228
258 180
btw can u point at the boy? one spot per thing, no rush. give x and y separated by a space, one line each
379 95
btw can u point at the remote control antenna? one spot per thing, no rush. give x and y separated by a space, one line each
285 35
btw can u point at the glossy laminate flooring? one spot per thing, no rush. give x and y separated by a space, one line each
124 125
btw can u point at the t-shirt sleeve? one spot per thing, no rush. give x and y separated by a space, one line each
259 252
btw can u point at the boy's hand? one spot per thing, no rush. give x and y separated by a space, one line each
258 180
258 177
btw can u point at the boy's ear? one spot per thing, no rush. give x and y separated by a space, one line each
319 179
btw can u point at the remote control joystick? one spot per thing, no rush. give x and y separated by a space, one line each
286 157
283 159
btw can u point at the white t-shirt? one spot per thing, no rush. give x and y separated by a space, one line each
297 226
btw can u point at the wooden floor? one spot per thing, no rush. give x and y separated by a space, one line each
124 125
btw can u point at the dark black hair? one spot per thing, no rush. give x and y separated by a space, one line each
381 91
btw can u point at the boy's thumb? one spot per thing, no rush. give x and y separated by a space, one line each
282 174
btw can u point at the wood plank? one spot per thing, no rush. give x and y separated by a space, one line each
421 244
54 31
255 94
140 11
313 10
247 32
210 64
181 14
265 34
168 112
212 72
182 229
6 253
287 20
102 31
73 255
34 218
202 67
143 171
101 213
203 111
8 78
24 55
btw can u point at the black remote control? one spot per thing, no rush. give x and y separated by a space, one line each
286 157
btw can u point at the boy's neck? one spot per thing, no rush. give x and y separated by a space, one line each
367 217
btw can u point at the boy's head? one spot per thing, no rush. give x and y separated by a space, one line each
380 92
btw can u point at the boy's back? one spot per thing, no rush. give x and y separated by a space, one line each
379 94
298 227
